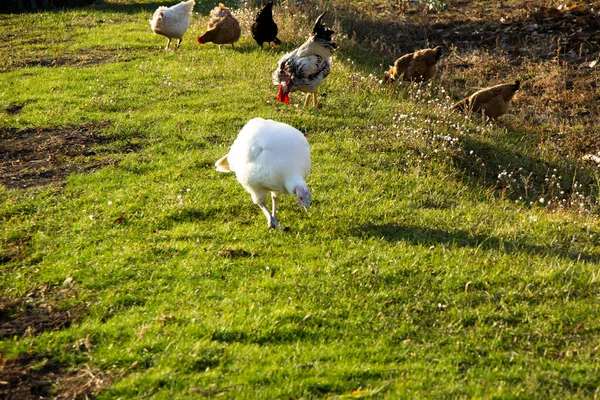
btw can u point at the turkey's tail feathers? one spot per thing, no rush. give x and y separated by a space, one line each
223 164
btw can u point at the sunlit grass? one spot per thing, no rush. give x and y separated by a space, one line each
411 268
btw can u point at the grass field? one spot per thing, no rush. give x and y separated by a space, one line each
442 256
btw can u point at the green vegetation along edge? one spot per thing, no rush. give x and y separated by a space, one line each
153 275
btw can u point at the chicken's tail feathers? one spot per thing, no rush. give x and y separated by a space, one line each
223 164
320 30
438 53
268 6
517 85
319 22
265 12
191 4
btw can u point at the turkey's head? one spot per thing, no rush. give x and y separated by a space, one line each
303 196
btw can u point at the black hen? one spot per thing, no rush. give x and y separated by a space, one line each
264 29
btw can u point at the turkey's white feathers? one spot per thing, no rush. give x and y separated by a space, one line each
269 156
222 164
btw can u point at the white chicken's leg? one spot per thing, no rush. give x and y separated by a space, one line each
168 44
306 100
274 197
272 222
315 101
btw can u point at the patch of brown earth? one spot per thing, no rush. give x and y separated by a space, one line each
31 376
517 27
234 253
14 249
34 376
14 109
37 312
81 59
39 156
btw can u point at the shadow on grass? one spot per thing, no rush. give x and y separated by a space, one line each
243 48
422 236
519 176
276 336
193 215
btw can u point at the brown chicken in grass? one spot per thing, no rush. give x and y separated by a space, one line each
223 28
493 101
419 66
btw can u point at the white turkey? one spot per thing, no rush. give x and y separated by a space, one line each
172 22
270 156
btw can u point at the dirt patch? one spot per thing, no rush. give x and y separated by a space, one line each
31 376
80 59
14 249
14 109
234 253
37 312
35 376
39 156
35 320
518 27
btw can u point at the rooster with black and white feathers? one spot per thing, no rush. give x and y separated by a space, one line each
270 157
305 68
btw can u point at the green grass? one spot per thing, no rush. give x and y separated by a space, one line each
410 269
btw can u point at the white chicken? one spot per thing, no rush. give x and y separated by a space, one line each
172 22
270 156
305 68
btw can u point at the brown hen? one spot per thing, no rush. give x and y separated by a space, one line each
493 101
419 66
223 28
